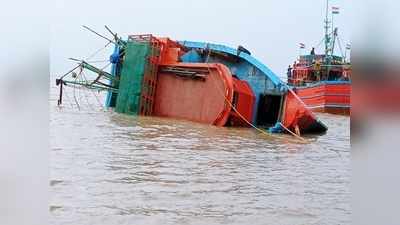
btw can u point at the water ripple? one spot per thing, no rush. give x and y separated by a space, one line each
108 168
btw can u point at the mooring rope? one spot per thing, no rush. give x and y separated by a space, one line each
292 133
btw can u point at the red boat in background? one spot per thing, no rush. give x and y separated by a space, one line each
323 81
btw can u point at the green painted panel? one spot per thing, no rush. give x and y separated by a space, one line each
132 71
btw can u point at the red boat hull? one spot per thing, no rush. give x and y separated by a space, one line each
332 97
194 100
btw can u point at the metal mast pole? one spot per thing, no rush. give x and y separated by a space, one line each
327 39
332 36
327 60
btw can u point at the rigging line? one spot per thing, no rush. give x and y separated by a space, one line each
99 74
109 63
70 71
89 29
76 101
340 47
97 51
304 141
80 80
116 38
96 61
80 95
320 43
93 92
85 93
68 98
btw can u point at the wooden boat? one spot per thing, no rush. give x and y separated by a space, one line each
323 81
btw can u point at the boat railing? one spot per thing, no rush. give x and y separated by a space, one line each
307 82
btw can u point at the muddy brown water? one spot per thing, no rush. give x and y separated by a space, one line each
108 168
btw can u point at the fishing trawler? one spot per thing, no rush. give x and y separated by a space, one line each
196 81
323 81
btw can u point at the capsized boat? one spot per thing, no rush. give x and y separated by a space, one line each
323 81
197 81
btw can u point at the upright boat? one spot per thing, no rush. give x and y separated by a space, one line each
197 81
323 81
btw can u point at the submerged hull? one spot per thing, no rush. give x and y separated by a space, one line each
221 86
260 98
329 97
211 101
201 82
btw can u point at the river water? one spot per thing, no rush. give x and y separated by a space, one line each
108 168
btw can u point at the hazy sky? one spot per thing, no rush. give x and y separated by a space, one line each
270 29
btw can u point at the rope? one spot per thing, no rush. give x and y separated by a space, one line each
96 52
97 61
85 93
68 98
105 66
243 118
76 101
319 44
69 71
340 47
292 133
93 92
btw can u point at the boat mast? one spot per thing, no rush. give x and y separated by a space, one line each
327 38
327 57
